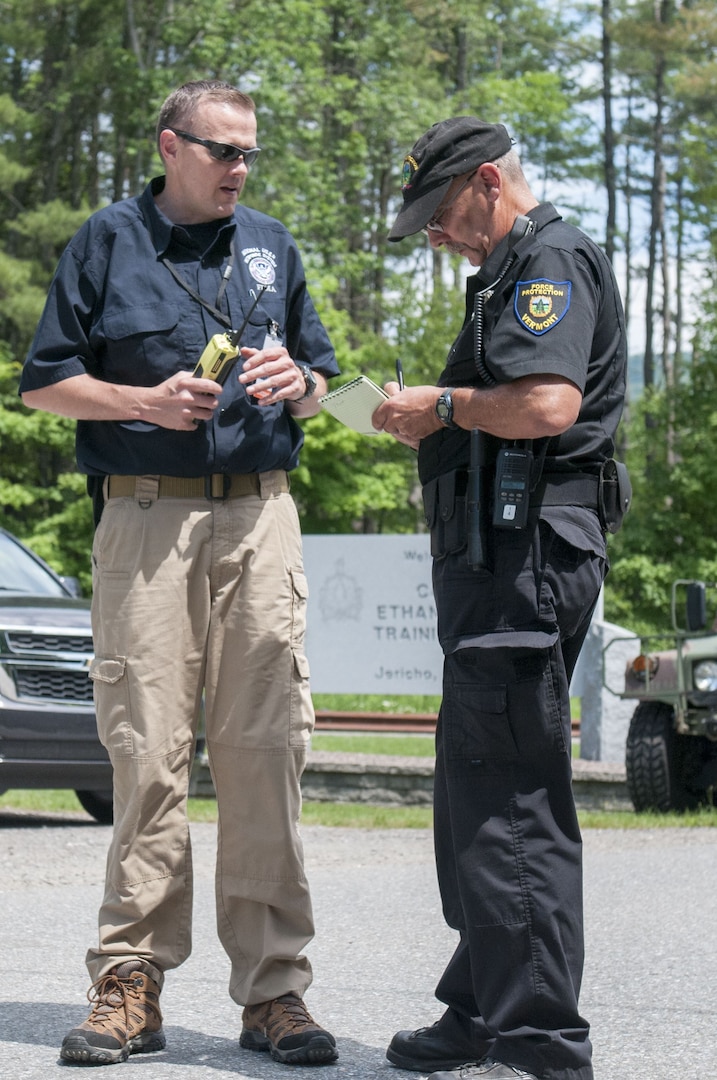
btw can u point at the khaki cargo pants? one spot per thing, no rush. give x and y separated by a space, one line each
192 595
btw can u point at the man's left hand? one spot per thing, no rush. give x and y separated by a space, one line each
271 375
409 415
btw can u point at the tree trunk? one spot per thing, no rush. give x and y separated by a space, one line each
609 134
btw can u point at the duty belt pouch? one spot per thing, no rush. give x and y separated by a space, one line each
430 511
451 513
445 515
614 494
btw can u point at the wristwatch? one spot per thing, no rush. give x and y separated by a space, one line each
309 380
444 408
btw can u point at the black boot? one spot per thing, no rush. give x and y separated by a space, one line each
447 1044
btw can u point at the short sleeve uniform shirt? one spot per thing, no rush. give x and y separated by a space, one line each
116 311
555 310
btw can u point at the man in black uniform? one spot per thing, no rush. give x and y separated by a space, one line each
515 456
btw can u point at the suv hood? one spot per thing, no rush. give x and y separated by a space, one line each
18 609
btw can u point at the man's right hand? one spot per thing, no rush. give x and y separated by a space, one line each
179 403
182 402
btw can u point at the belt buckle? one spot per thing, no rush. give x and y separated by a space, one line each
209 492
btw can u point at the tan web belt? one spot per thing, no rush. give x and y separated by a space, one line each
216 486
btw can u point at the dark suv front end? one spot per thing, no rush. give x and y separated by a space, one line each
48 732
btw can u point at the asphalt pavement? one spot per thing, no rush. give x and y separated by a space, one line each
650 978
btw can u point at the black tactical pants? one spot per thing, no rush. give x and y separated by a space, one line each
508 846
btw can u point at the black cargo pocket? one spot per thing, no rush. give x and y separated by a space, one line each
476 727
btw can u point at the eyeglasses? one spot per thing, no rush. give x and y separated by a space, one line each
434 225
222 151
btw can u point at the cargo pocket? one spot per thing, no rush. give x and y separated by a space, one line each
109 680
302 710
300 596
476 726
502 703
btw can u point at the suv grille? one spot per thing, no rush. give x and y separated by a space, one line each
28 641
52 684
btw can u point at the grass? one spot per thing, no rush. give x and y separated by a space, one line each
364 816
375 743
347 815
404 703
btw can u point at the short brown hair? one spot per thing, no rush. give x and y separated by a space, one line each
181 105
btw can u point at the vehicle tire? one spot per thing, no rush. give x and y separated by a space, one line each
98 804
659 762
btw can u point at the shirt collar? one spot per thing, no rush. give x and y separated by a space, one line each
490 269
161 229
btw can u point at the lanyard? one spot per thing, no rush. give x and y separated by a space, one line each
213 309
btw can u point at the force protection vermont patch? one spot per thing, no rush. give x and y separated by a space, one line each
541 304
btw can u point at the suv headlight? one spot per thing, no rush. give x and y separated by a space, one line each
704 675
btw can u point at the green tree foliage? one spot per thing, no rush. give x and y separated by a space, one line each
343 88
673 531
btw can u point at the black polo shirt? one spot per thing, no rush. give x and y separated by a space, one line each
555 310
115 311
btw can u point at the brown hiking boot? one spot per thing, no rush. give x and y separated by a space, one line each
285 1028
125 1017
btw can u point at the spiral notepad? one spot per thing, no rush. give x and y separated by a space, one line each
354 404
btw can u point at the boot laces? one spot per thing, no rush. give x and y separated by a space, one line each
295 1013
108 996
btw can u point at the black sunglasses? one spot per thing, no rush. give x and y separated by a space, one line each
222 151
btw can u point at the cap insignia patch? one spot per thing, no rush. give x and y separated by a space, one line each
410 166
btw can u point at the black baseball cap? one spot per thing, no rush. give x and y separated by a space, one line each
448 149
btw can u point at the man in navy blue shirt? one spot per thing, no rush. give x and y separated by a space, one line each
199 589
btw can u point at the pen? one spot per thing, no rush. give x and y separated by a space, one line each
399 372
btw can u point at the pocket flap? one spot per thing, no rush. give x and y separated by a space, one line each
140 319
109 669
301 664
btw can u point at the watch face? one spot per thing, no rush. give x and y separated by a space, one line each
444 408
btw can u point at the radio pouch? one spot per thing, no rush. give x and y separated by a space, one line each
614 494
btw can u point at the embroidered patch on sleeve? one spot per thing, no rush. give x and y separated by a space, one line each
541 304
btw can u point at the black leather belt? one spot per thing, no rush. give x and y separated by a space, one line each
216 486
553 489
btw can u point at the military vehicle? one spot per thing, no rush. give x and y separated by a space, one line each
671 749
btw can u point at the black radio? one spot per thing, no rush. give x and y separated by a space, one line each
511 494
